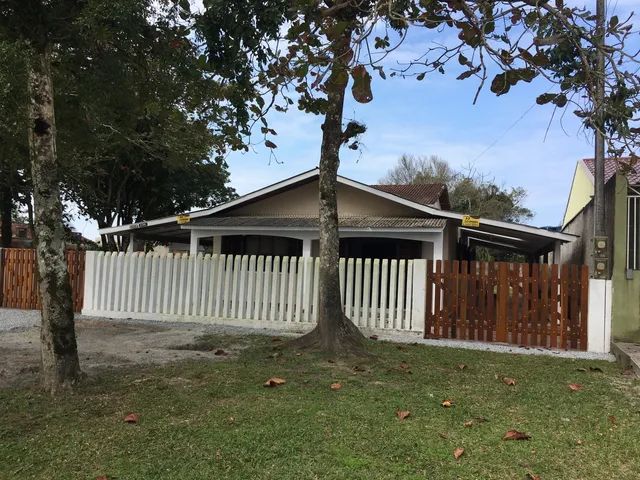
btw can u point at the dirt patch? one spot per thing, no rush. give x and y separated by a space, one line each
107 344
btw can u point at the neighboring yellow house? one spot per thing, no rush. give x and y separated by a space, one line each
581 190
622 219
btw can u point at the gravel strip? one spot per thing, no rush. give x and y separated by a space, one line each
11 319
19 319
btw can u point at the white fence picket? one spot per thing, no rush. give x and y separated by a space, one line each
283 291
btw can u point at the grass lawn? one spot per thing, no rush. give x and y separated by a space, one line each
217 421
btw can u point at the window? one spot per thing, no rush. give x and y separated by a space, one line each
22 233
633 225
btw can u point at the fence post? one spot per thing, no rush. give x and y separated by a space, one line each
419 294
1 276
599 316
503 297
87 303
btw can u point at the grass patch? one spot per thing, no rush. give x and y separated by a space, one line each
215 420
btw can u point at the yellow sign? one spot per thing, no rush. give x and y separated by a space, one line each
469 221
182 219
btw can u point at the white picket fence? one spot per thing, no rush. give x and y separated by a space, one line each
262 291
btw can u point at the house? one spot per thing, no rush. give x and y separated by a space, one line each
622 252
375 221
21 235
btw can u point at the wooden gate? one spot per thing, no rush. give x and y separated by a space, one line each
530 305
18 283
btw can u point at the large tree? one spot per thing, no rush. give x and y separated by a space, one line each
327 42
155 120
470 192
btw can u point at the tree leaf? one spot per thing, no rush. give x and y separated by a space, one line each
270 144
132 418
515 435
361 89
447 403
458 452
335 386
509 381
462 366
574 387
219 352
275 382
402 414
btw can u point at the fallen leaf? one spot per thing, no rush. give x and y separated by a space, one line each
579 442
102 477
402 414
447 403
515 435
468 424
509 381
458 452
331 360
574 387
373 337
404 365
462 366
480 419
220 352
218 455
298 354
132 418
358 368
595 369
231 420
531 476
443 435
336 386
274 382
613 420
581 369
276 339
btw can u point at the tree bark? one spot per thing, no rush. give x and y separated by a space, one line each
334 333
60 364
6 205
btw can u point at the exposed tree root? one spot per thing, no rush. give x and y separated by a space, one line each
342 340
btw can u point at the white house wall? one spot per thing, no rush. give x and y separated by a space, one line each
303 201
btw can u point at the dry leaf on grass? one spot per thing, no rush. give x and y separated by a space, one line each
574 387
373 337
336 386
132 418
531 476
274 382
231 420
102 477
509 381
402 414
613 420
468 424
443 435
595 369
404 365
447 403
458 452
462 366
516 435
220 352
276 339
581 369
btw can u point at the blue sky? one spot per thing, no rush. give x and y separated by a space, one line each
502 137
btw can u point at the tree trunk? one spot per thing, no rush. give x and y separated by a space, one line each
6 205
334 333
60 364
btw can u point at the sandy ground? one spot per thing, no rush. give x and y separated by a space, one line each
103 344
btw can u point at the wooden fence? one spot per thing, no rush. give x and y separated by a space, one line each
263 291
531 305
18 282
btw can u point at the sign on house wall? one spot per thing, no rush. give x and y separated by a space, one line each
470 221
182 219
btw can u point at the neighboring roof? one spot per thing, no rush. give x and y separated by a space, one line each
612 165
422 193
312 222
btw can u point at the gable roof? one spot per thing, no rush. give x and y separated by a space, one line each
612 165
311 175
433 194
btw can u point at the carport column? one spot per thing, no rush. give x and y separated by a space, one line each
306 247
217 244
195 243
438 248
